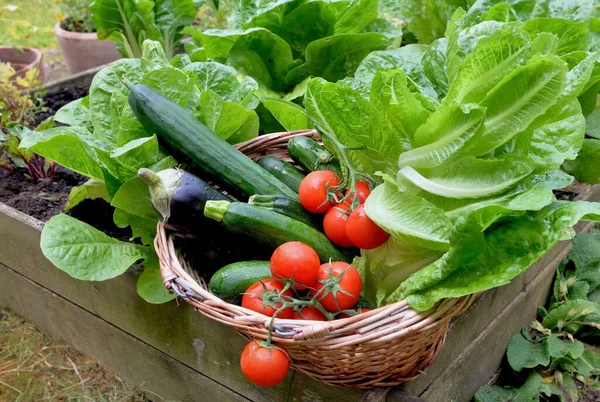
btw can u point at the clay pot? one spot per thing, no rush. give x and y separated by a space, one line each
83 51
21 60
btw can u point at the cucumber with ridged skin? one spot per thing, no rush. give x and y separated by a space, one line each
270 228
286 172
312 156
182 134
232 280
286 206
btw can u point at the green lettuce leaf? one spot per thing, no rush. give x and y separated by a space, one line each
586 167
288 114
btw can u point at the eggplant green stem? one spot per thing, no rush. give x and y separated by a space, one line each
151 178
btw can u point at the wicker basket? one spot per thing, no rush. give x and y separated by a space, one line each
383 347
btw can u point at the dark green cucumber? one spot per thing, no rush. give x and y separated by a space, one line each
285 172
232 280
271 228
285 206
181 133
312 156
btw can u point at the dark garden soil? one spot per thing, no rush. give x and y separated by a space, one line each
55 100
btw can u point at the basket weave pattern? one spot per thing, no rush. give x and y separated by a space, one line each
382 347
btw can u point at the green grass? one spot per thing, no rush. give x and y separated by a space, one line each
30 23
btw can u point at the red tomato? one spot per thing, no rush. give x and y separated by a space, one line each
334 225
363 232
253 298
341 292
362 310
264 366
309 313
297 261
362 190
313 190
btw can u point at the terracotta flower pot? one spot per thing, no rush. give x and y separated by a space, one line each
83 51
21 60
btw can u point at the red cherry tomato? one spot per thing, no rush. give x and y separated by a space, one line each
297 261
340 293
334 225
264 366
309 313
253 298
363 232
362 310
313 190
362 190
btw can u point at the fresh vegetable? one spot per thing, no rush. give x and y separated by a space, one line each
361 194
262 297
314 190
232 280
185 135
285 206
309 313
338 286
264 366
270 227
179 197
312 156
296 262
334 225
362 232
285 172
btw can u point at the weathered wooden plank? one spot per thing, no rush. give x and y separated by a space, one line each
134 361
209 347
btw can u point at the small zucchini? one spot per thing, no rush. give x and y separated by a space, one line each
271 228
232 280
312 156
286 206
285 172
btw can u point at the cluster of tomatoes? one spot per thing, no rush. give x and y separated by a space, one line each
344 224
300 288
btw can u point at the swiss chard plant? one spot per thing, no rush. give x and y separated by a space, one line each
130 22
468 136
549 359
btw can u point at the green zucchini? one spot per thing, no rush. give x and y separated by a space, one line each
285 172
271 228
286 206
182 134
232 280
312 156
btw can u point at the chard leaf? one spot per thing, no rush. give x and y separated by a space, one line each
106 82
133 197
92 188
518 99
409 218
469 177
586 167
390 94
170 17
343 114
443 136
336 57
86 253
230 121
138 153
141 228
249 13
288 114
511 248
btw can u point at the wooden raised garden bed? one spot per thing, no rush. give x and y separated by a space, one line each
173 351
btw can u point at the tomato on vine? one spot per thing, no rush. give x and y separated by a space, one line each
334 225
263 297
314 188
362 191
264 366
338 286
363 232
309 313
295 261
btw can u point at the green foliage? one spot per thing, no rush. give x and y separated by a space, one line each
75 15
24 24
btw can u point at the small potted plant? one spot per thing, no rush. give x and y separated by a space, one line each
77 38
